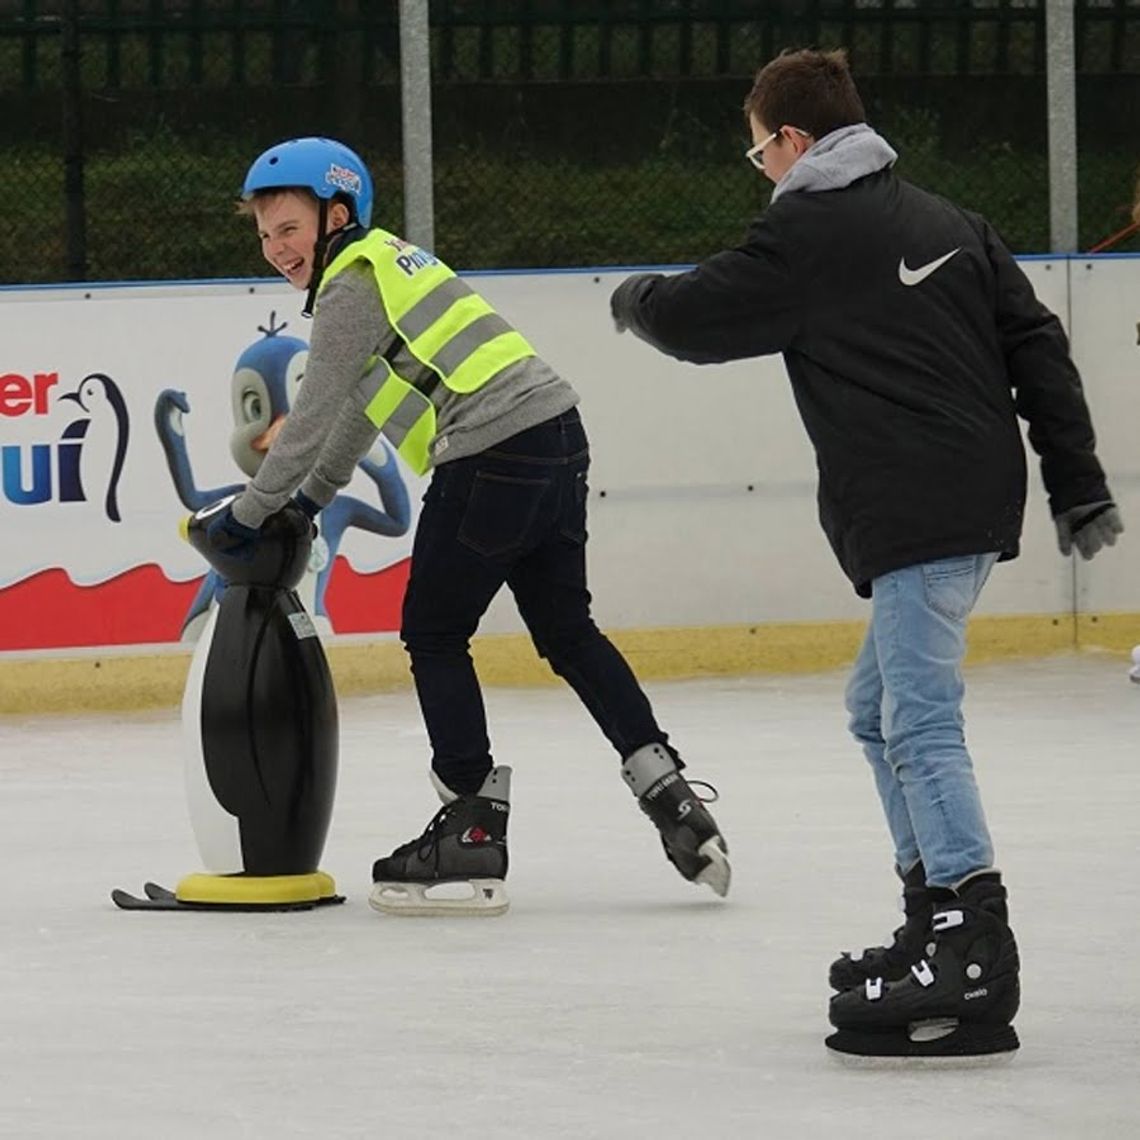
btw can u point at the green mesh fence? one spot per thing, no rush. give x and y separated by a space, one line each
565 132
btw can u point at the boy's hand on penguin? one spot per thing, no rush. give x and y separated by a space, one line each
309 506
230 537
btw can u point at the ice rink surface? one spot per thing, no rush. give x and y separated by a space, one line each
614 1000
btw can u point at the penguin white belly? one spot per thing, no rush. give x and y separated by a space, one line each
217 831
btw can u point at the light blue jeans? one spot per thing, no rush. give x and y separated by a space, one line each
905 702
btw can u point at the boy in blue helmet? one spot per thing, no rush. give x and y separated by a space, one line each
401 345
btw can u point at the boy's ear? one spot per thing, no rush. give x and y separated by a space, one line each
339 215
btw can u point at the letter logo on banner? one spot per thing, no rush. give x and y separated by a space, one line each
28 474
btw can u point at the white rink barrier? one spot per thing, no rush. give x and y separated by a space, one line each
702 513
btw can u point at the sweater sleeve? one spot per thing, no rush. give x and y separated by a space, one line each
1047 387
351 437
740 303
345 335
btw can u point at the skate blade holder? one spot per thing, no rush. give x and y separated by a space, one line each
938 1043
717 873
478 898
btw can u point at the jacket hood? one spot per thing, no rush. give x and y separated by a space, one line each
836 160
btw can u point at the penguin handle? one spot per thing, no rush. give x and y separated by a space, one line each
280 556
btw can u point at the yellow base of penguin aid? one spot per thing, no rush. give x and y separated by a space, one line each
250 891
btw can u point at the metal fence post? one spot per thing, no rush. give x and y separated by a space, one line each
415 100
71 98
1061 95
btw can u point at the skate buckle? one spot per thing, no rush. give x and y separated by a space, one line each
945 919
923 974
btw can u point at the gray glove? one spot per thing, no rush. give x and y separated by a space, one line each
1088 528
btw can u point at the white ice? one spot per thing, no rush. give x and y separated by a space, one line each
614 1000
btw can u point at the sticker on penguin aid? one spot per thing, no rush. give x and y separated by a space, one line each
302 624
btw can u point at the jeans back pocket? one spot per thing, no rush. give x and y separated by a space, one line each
504 514
951 586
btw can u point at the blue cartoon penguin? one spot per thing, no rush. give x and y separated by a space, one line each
264 384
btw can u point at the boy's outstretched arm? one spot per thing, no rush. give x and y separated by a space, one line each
741 303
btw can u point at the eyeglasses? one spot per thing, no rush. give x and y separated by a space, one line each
755 154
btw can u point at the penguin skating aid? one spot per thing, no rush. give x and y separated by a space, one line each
260 724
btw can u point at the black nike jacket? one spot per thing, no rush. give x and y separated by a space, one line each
913 341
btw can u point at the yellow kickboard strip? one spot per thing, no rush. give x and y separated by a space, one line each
56 684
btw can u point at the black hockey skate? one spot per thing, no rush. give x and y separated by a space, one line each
957 1002
459 863
689 833
910 941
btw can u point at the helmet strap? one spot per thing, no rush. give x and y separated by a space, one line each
320 250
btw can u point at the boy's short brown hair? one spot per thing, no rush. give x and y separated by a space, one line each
809 89
245 206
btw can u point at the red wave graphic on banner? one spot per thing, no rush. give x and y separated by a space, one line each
366 603
49 611
144 607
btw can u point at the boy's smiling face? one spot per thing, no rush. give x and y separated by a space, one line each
287 226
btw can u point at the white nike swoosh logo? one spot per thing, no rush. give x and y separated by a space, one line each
913 276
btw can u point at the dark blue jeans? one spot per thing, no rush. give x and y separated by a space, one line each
515 514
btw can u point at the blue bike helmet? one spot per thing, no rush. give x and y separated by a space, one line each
325 166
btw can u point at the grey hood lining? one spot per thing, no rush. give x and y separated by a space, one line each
836 160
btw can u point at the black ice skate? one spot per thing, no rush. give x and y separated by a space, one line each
957 1002
459 863
689 833
910 941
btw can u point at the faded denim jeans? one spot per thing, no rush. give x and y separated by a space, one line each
904 698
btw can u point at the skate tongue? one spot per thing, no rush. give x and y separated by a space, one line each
497 785
643 768
446 795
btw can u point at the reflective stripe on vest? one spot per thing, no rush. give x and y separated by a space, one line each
443 325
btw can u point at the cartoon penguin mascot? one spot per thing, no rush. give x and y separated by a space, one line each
264 385
259 719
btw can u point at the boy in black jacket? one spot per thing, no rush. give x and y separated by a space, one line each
913 341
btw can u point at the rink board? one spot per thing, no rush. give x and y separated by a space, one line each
706 555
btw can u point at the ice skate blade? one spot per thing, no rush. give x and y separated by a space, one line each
718 873
943 1043
472 898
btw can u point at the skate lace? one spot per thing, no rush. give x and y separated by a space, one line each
429 840
712 796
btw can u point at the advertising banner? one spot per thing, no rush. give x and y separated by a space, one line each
124 409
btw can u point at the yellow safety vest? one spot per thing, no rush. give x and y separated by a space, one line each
448 340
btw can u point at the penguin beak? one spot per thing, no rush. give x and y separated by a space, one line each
74 396
264 441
